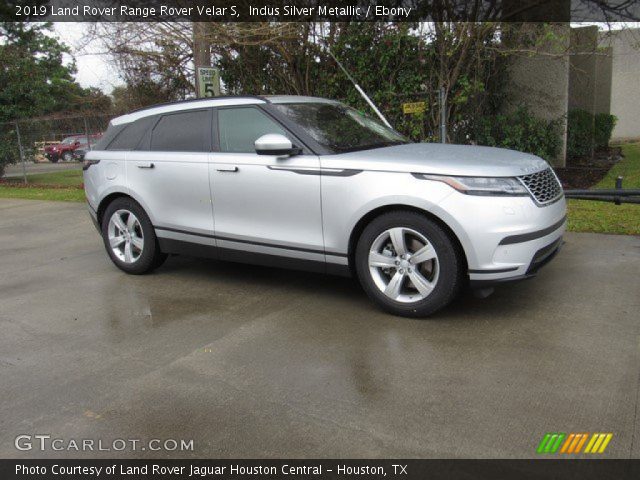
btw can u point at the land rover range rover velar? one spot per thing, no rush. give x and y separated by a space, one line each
311 183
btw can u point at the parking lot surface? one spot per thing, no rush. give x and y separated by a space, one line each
257 362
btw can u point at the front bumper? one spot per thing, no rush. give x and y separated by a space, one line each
505 238
539 260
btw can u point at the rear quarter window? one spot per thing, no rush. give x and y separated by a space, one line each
188 131
128 138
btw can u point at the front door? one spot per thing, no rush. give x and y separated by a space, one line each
265 207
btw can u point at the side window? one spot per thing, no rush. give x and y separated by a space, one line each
130 135
188 131
239 128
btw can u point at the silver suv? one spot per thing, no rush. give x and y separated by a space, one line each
310 183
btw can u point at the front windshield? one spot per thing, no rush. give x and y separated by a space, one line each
68 141
340 128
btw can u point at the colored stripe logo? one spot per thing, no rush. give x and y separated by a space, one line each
574 443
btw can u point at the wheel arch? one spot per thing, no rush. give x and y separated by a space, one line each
361 224
106 201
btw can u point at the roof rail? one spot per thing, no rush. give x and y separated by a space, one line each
193 100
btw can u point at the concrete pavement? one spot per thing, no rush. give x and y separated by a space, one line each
255 362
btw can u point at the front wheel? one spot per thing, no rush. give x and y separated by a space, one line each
408 264
129 237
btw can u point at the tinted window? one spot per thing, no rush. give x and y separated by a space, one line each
340 128
239 128
109 135
131 134
183 132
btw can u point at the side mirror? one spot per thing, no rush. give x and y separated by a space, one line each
275 144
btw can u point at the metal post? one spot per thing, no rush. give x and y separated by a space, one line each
361 91
24 165
618 187
86 132
443 116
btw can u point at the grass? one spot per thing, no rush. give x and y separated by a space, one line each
604 217
35 193
71 178
64 185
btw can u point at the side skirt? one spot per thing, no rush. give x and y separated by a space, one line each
180 247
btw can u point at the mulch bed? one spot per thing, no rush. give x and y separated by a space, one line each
582 173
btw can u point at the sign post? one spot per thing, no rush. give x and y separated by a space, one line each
208 82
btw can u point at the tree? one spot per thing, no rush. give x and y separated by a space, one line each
35 81
156 59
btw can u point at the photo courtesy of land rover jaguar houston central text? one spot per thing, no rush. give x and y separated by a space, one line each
310 183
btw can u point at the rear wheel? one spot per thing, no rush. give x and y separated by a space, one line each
129 237
408 264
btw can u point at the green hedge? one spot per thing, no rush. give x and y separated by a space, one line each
580 133
520 131
603 128
586 132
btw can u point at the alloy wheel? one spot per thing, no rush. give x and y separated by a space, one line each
404 265
126 237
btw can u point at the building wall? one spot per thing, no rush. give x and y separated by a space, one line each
604 64
582 68
541 81
625 82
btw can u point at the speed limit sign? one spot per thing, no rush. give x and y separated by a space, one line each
208 82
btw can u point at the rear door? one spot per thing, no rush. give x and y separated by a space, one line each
263 204
169 175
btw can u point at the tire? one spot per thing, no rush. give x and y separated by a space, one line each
67 156
54 159
141 233
392 280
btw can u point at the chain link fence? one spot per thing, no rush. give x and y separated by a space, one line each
31 140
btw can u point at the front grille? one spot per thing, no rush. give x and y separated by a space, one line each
544 186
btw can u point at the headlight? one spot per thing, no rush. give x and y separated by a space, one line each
490 186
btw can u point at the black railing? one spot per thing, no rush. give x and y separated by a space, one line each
616 195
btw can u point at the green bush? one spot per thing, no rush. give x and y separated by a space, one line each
520 131
603 127
580 133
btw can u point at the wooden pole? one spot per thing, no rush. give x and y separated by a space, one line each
201 52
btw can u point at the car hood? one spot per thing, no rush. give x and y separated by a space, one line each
442 159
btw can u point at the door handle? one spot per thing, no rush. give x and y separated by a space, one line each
146 165
227 169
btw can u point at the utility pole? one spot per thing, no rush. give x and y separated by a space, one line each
201 53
